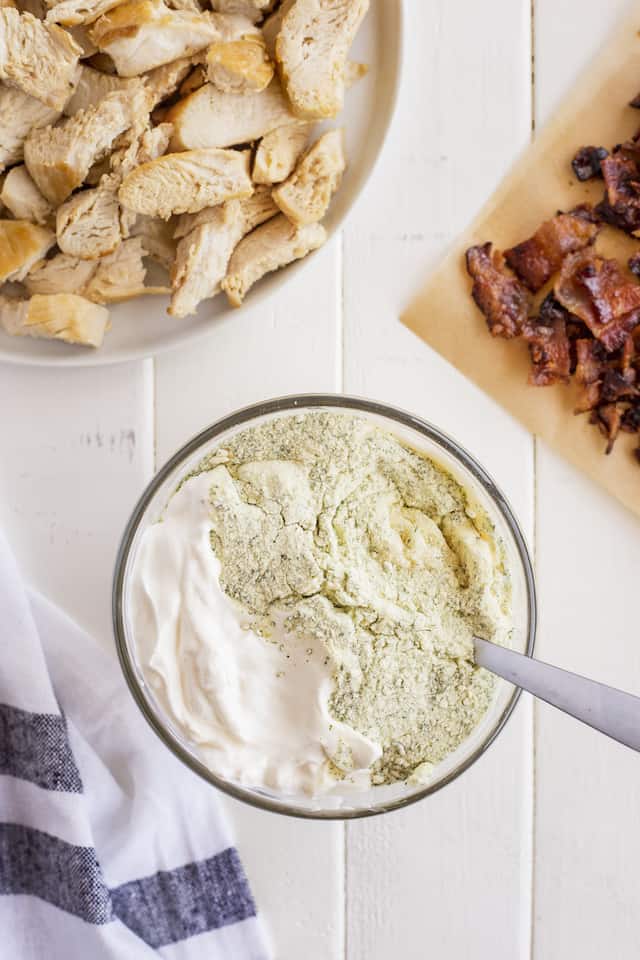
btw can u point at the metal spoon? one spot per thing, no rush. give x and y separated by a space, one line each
611 711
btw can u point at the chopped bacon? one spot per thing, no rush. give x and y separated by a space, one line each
587 162
608 418
538 258
589 373
549 346
631 418
499 295
621 206
600 294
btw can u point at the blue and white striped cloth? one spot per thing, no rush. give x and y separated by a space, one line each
109 847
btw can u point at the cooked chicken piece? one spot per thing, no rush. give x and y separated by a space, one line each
21 245
252 210
21 196
121 275
273 245
241 66
60 274
354 71
38 58
279 151
306 195
93 86
186 182
253 9
311 50
19 115
7 3
165 80
203 254
81 36
70 13
59 158
142 34
194 80
191 5
271 26
62 316
88 225
209 118
139 148
157 239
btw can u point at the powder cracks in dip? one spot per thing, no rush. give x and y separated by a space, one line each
305 608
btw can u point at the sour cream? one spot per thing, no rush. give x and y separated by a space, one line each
255 709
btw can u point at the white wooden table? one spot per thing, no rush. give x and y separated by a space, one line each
533 852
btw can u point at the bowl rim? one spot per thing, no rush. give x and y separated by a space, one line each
290 404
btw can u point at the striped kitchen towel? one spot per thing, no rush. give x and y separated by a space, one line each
109 847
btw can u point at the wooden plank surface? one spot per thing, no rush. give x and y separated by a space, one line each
456 877
291 346
587 787
448 878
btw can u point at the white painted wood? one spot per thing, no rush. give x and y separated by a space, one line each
76 452
587 787
289 345
449 878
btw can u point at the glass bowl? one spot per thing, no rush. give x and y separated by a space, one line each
343 802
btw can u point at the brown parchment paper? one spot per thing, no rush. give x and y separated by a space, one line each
541 182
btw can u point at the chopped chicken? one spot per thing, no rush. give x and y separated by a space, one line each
88 225
165 80
252 211
60 274
21 196
279 151
142 34
271 26
186 182
273 245
210 118
62 316
38 58
93 86
253 9
306 195
121 275
19 115
194 80
141 148
204 252
59 158
191 5
239 66
311 49
81 36
157 239
21 245
70 13
354 71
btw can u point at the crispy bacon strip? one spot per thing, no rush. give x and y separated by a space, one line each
621 206
549 346
538 258
608 418
587 162
600 294
500 296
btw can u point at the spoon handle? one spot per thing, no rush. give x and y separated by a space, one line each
611 711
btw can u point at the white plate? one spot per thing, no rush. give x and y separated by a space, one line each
141 327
